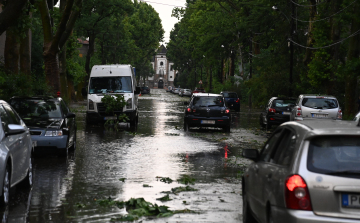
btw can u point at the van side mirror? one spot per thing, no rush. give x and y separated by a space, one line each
137 90
83 92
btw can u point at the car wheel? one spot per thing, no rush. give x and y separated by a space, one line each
227 129
247 215
6 187
74 141
268 126
270 218
262 122
186 126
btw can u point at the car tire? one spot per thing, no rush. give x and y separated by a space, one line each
186 126
269 217
73 147
268 126
227 129
5 196
247 215
262 122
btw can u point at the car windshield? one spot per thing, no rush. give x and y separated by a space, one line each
319 103
110 85
281 103
335 155
208 101
230 95
36 108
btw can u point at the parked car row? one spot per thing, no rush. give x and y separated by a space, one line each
308 170
30 124
283 109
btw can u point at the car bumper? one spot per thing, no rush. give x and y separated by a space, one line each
277 119
96 117
194 121
50 142
283 215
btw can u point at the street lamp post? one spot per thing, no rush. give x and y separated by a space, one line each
291 45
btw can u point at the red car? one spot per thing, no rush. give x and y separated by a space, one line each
198 90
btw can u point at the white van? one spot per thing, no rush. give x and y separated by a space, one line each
112 79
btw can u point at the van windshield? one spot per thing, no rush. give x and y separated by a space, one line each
110 85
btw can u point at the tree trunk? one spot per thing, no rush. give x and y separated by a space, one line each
10 14
310 40
90 53
25 54
352 57
51 62
12 51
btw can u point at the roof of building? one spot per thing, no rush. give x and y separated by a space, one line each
162 49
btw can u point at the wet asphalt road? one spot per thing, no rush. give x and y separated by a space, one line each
128 164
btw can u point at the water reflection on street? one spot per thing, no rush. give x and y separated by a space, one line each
117 164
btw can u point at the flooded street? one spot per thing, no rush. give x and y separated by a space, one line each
110 165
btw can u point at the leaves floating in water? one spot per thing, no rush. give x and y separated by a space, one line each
122 179
146 185
164 198
165 180
185 179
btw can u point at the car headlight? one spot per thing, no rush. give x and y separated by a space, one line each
91 105
54 133
129 103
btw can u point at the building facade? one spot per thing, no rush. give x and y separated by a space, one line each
164 72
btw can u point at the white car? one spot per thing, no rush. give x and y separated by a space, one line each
186 92
15 152
316 106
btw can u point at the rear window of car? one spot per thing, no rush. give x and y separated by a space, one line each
37 108
282 103
208 101
319 103
335 155
230 95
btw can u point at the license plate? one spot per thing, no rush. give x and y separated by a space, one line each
351 200
286 113
207 121
110 118
319 115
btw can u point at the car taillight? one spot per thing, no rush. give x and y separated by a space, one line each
297 194
298 112
272 110
188 109
339 114
237 100
227 111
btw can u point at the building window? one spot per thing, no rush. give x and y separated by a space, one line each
170 76
161 63
171 67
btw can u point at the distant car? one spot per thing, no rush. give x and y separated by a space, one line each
308 171
207 110
186 92
52 125
232 100
198 90
176 90
316 106
277 111
145 90
15 152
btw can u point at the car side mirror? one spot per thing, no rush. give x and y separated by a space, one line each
70 115
137 90
83 92
252 154
15 129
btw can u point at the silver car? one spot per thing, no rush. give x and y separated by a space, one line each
15 152
186 92
307 171
316 106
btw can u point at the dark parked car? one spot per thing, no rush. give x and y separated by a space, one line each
232 100
145 90
207 110
52 125
308 171
277 111
198 90
15 152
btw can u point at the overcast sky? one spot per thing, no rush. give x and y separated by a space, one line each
164 8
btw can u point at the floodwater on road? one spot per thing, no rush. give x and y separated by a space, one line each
109 165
